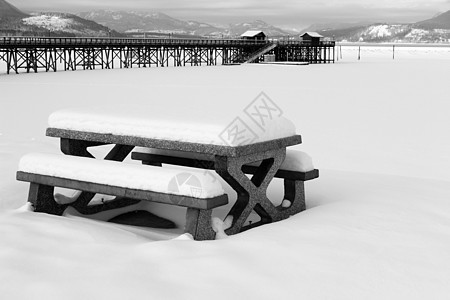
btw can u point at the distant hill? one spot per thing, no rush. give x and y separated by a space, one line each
66 24
269 30
335 26
16 23
8 11
369 33
434 30
103 23
441 21
131 21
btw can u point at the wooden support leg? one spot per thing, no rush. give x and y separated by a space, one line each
42 199
198 223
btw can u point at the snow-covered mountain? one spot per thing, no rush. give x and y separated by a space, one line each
52 24
113 23
66 24
132 21
15 22
435 30
409 33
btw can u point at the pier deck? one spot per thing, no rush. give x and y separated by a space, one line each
53 54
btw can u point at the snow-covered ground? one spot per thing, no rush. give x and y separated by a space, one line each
377 224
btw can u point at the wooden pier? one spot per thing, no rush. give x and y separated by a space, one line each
52 54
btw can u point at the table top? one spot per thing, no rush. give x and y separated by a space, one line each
178 124
221 150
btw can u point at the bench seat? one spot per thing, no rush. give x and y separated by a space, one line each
199 194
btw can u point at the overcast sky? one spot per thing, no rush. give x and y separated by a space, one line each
286 13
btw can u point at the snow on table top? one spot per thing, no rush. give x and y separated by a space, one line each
133 176
298 161
178 124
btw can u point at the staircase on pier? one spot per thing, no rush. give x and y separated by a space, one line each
260 52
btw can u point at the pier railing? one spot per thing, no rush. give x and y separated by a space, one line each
68 41
73 42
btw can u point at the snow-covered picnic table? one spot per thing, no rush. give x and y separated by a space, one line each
230 151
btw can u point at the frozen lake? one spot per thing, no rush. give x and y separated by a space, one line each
377 224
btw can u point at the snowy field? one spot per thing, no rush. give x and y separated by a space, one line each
377 224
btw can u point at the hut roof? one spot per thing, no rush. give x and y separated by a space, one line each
252 33
313 34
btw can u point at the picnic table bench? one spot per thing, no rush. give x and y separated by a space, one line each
46 171
262 159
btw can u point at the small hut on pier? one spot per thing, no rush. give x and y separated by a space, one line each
253 35
313 37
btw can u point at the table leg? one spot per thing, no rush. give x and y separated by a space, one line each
294 191
42 199
251 192
198 223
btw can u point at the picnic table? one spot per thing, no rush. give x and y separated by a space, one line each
261 159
